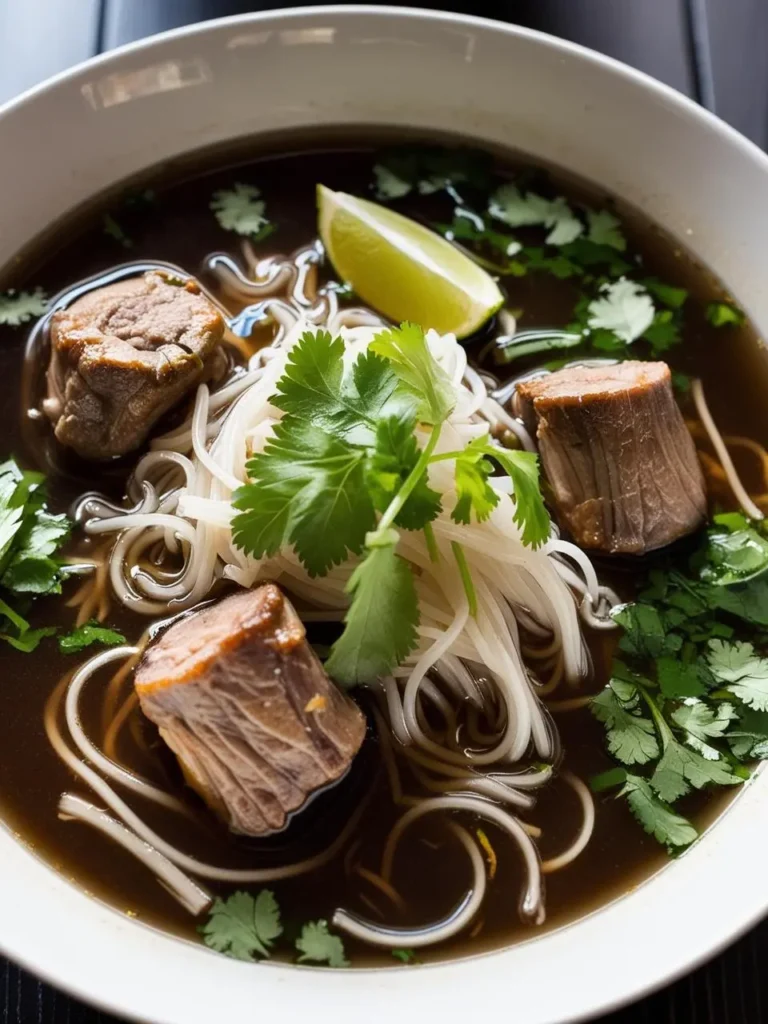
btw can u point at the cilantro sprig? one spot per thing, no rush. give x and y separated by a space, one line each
687 703
347 468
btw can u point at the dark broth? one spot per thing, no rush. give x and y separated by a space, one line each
180 228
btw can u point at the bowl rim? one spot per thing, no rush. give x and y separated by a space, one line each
745 905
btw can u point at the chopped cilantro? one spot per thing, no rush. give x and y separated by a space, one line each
17 308
667 294
243 926
518 209
405 956
89 633
317 945
721 314
605 229
625 308
429 169
242 209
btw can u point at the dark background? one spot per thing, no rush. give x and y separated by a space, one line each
715 51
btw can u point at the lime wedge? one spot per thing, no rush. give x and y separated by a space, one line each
402 269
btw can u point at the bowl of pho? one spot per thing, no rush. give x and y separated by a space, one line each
383 557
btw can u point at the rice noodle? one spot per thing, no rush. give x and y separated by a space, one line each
191 896
739 491
438 931
548 867
531 906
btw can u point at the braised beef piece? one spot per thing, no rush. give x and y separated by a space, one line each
123 355
617 454
242 700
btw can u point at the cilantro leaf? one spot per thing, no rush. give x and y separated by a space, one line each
394 456
667 294
510 205
318 945
681 768
748 737
31 567
742 670
429 169
382 619
530 511
89 633
625 308
242 210
657 817
473 492
405 956
608 780
24 639
748 602
419 372
306 488
388 184
631 737
664 331
314 386
242 926
679 679
644 631
734 555
17 308
720 314
605 229
588 255
702 723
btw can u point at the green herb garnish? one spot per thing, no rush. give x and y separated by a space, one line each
30 537
17 308
687 702
346 468
243 926
405 956
317 945
91 632
721 314
242 209
430 169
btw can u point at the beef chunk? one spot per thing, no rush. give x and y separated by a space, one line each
617 455
122 356
240 697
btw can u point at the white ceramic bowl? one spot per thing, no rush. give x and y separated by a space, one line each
124 112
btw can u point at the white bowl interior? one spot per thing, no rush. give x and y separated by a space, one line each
123 113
